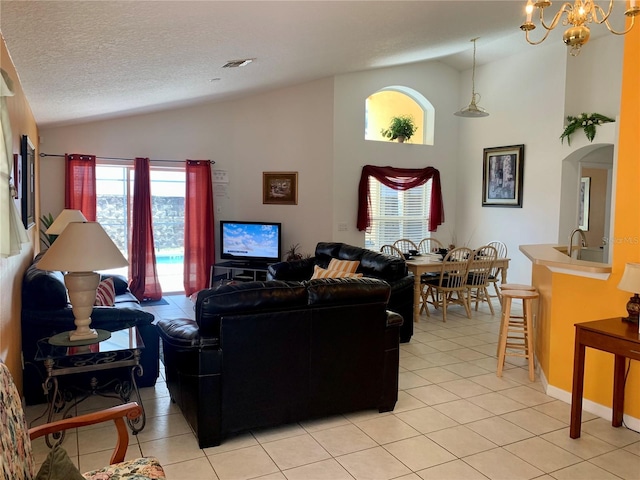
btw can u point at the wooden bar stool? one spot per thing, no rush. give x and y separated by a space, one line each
516 332
517 286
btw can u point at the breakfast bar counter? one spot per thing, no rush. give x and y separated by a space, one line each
555 258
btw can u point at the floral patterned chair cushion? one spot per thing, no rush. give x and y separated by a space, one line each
16 456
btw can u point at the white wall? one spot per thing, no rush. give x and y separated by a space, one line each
284 130
439 84
525 96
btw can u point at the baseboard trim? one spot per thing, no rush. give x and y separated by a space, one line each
587 405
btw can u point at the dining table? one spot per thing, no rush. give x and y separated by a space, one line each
432 263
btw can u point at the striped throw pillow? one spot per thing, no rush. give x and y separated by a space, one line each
319 272
106 293
348 266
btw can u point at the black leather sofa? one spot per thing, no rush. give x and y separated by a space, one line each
46 312
393 270
260 354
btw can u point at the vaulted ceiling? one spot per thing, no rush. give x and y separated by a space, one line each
84 60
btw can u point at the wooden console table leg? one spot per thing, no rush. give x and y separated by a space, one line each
578 386
618 391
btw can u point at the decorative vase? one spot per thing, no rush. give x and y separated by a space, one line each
401 138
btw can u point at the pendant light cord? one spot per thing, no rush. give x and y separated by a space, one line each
473 71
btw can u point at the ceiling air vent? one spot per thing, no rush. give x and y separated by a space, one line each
238 63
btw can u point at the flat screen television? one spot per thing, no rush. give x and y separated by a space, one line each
250 242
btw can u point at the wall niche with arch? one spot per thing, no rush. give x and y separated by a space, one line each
398 100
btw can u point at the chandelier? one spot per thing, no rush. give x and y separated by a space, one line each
581 13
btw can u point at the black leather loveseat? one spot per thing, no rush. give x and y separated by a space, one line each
260 354
393 270
46 312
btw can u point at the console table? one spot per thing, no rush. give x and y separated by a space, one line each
611 335
112 350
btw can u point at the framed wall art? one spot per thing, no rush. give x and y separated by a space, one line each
280 188
27 189
502 176
583 203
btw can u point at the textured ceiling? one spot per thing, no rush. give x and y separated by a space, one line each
84 60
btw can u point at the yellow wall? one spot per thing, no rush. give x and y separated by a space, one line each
568 299
12 269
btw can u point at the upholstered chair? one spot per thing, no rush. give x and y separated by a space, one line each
16 456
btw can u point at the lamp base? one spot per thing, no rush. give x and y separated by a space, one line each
633 309
88 334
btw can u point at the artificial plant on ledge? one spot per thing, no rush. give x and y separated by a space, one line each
586 121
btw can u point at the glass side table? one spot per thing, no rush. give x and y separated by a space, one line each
112 350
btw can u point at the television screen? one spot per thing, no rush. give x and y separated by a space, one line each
250 241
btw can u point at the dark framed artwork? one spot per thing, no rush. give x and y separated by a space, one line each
27 189
280 188
502 176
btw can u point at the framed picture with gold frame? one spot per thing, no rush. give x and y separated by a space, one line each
280 188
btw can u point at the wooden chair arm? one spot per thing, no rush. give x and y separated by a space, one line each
129 410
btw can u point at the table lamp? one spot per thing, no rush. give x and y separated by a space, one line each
630 282
66 216
81 248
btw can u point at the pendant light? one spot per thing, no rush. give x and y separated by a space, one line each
473 110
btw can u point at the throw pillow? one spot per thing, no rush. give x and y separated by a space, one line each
349 266
106 293
319 272
58 466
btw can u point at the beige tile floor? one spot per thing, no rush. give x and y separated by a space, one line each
454 420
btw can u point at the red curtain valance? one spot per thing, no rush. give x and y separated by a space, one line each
400 179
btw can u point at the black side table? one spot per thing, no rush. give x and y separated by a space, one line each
111 350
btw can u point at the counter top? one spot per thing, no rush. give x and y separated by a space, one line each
551 256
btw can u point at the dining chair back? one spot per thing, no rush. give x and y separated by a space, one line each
429 245
393 251
480 267
405 245
496 272
450 286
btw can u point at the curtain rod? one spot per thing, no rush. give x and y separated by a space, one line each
126 159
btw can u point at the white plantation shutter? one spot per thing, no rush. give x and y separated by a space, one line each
396 214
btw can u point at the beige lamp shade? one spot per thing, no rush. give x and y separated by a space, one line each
82 247
65 218
630 281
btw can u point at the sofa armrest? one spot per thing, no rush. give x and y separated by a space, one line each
295 270
184 333
394 319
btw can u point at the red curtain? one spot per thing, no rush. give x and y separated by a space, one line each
80 184
400 179
142 262
199 243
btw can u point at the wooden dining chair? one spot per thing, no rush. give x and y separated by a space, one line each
393 251
405 245
496 272
429 245
450 286
480 266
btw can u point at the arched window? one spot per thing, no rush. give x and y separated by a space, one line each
398 100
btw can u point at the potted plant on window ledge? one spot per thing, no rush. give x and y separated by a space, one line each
401 128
